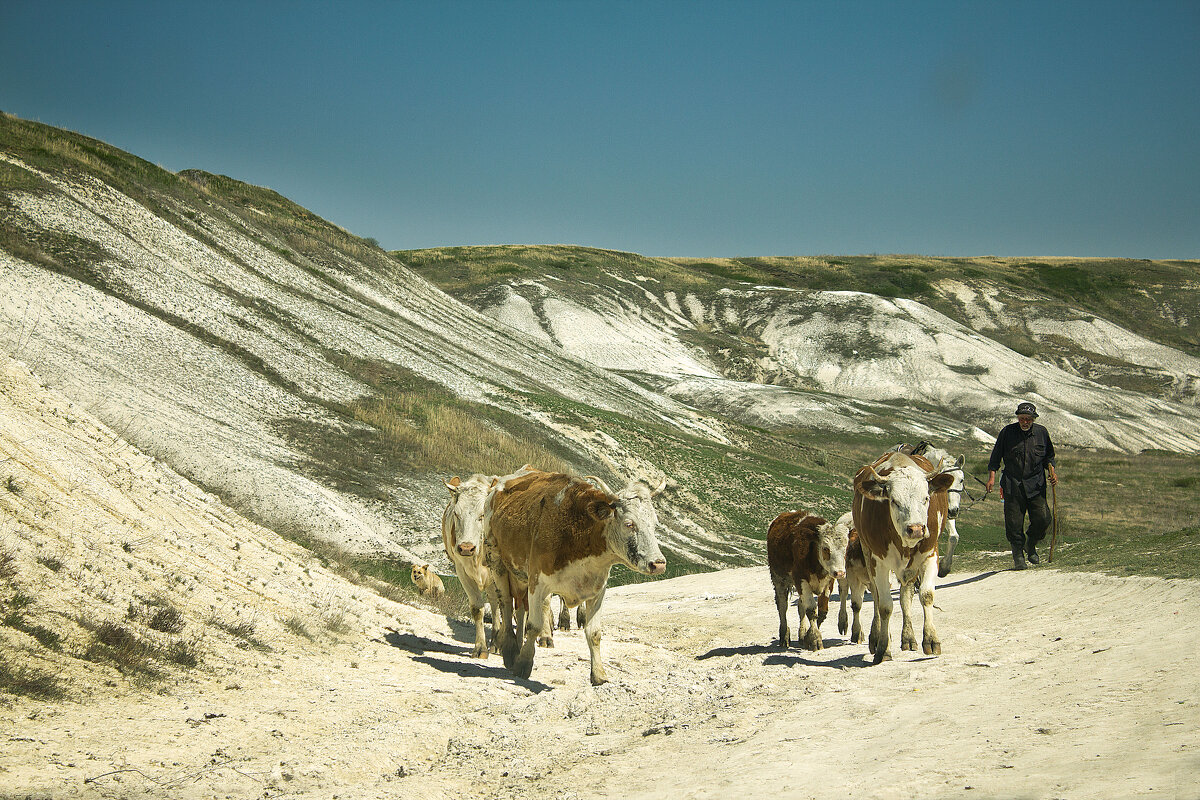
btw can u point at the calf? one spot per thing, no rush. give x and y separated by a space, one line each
427 581
808 553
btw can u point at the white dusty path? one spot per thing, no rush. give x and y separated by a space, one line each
1051 685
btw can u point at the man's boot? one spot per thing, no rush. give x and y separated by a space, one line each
1031 554
1018 558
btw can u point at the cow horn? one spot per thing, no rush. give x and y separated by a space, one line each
657 490
599 484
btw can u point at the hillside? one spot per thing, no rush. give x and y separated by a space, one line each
897 346
303 375
326 389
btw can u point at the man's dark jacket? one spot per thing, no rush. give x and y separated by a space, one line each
1026 455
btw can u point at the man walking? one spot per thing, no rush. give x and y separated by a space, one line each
1028 454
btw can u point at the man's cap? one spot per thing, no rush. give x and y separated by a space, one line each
1026 409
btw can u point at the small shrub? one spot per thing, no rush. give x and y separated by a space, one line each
8 563
51 563
297 626
167 620
1186 482
29 682
242 629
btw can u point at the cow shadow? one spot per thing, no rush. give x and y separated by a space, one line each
790 657
420 646
479 669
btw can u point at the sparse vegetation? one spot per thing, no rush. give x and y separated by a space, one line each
297 625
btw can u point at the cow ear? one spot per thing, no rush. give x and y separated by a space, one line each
942 482
454 484
873 489
600 509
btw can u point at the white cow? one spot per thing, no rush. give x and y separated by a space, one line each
462 536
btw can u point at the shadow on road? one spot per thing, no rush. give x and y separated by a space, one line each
477 669
470 668
419 644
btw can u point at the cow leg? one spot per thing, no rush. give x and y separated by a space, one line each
564 616
943 565
843 617
931 645
506 640
881 591
781 604
908 640
546 637
810 639
580 617
475 595
856 603
493 598
591 630
539 602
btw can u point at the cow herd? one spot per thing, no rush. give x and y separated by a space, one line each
516 540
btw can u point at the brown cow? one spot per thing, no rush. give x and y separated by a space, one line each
806 552
548 532
900 506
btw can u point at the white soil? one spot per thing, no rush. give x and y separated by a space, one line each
1051 684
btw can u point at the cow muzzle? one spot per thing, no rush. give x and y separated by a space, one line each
915 531
658 567
466 549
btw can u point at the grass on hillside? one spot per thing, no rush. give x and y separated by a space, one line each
1117 514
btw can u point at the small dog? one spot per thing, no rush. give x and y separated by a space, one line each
427 581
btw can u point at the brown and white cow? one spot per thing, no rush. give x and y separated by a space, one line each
548 532
427 581
462 536
945 463
899 509
808 553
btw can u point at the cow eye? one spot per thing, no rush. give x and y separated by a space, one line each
629 524
825 552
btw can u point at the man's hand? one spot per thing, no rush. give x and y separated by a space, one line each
1053 477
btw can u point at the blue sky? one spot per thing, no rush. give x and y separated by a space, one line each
668 129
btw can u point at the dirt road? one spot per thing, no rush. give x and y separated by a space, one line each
1051 685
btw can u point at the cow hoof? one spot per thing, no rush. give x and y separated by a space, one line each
599 679
523 669
479 652
510 655
908 644
881 657
545 641
857 638
933 648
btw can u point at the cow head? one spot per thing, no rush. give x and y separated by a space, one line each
833 541
905 486
465 512
630 525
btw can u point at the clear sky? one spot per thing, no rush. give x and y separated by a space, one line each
665 128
